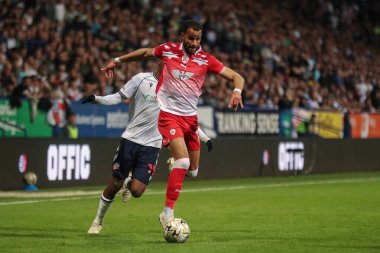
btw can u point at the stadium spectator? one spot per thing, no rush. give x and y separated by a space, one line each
329 44
70 130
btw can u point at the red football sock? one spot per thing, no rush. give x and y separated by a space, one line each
174 186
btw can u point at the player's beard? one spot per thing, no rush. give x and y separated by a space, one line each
190 50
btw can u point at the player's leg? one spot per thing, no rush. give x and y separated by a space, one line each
194 163
170 161
132 188
105 202
171 128
120 170
144 169
125 192
186 153
174 186
113 187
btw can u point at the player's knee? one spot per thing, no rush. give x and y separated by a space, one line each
182 163
137 192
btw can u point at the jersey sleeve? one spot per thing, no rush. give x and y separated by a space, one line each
158 51
215 66
112 99
129 89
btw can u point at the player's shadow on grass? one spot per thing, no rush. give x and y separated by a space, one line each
30 234
244 230
15 230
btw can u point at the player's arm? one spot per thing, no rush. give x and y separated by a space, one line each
204 138
112 99
124 95
238 81
141 54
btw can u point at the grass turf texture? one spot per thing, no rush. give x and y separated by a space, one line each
323 213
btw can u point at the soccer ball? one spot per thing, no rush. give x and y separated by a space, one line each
177 230
30 178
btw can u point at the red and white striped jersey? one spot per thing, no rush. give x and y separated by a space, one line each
182 77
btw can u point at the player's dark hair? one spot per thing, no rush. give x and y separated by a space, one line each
191 24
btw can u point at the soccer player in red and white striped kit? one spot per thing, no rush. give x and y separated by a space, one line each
178 91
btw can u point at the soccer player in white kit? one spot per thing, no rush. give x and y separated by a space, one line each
140 143
178 91
136 157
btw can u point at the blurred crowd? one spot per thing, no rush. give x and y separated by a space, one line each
321 54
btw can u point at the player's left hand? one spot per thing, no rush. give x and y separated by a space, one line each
210 145
235 100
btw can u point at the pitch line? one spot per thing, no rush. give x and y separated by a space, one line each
80 195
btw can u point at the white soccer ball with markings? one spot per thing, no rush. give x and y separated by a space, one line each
177 230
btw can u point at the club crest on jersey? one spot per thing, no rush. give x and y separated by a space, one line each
185 59
172 131
183 75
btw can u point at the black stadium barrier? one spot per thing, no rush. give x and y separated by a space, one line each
59 162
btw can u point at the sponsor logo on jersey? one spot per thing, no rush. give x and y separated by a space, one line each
200 62
169 54
182 75
149 98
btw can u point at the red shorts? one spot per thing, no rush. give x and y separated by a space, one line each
173 126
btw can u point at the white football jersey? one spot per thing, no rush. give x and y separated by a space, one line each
143 110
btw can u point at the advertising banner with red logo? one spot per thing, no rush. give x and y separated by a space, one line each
365 125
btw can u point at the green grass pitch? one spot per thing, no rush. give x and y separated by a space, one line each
320 213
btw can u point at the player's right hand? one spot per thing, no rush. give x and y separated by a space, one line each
210 145
88 99
108 69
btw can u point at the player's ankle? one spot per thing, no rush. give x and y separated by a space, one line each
98 220
168 212
192 173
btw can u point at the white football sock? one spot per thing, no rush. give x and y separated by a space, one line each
104 205
169 213
192 173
